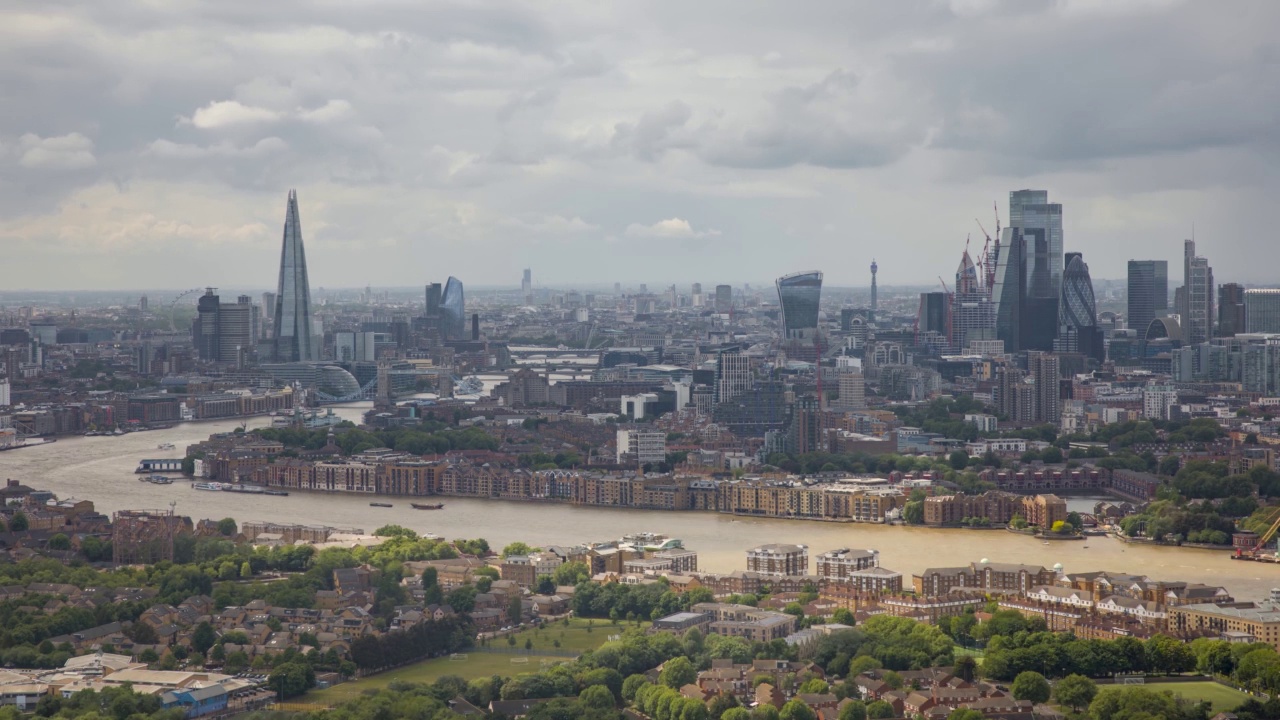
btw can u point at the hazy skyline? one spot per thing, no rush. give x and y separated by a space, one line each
153 143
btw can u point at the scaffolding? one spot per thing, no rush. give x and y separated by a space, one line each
145 536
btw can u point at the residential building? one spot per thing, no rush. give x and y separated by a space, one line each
840 563
1260 622
779 559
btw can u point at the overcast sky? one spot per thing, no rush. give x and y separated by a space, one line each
151 143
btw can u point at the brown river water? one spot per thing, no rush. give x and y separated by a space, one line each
101 469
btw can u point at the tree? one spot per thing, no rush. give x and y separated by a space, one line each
959 460
1051 455
597 697
796 710
60 542
879 709
227 527
1133 702
1030 685
853 710
546 586
965 714
1075 691
842 616
678 672
571 573
738 713
19 523
203 638
861 664
517 548
515 609
913 512
966 668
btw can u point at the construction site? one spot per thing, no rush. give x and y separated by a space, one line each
140 537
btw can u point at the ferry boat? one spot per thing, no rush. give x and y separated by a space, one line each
276 493
381 505
157 480
421 506
206 486
242 488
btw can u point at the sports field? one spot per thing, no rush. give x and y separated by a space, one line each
1222 697
579 635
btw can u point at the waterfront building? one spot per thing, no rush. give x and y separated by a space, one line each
778 559
293 323
840 563
1148 293
1241 622
1231 315
1196 309
1262 310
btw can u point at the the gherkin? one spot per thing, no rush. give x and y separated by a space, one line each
1077 308
293 294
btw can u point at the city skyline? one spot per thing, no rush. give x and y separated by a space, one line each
622 139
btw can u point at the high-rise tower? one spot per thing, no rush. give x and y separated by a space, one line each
293 293
874 269
1196 308
1041 224
1148 293
1078 329
799 295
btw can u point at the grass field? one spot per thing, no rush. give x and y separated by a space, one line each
578 636
975 653
1220 697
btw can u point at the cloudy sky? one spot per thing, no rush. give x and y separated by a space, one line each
151 143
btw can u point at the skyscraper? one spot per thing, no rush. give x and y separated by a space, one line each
1041 224
1196 309
733 375
799 295
971 314
1009 292
724 299
1262 310
1148 293
453 310
293 341
434 293
224 332
1078 329
1231 317
526 283
933 313
1046 374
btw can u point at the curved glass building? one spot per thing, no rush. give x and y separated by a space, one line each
453 311
798 295
293 295
1077 308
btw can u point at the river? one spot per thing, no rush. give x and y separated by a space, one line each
101 469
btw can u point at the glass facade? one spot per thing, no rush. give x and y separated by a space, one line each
799 295
1077 308
1041 225
293 338
453 310
1148 293
1010 287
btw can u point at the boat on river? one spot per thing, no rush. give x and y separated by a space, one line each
206 486
242 488
157 479
276 493
381 505
421 506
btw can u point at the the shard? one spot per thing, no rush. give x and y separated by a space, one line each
293 295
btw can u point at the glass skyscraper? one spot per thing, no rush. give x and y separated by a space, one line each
1148 293
1196 309
1010 289
453 310
293 342
1041 225
1262 310
1078 329
799 295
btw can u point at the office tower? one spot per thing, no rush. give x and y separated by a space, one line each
142 303
526 283
1009 292
453 310
1045 374
1078 330
224 332
434 293
293 322
1148 293
971 314
733 375
874 269
724 299
475 326
268 305
697 289
933 313
1262 310
799 295
1196 308
1041 225
1231 317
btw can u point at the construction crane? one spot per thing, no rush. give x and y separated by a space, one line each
173 304
1255 552
945 289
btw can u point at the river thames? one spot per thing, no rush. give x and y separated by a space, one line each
101 469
